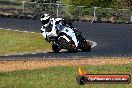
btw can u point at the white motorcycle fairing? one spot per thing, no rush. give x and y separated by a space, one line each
70 33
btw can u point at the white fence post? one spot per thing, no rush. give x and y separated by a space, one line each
95 18
23 6
131 18
57 10
58 3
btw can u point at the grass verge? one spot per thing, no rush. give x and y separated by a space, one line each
61 77
12 42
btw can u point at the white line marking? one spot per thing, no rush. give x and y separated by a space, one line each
8 29
25 31
33 53
7 55
33 32
20 54
16 30
20 31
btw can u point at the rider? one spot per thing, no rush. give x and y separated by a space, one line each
50 29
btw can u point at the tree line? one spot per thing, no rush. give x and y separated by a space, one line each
101 3
93 3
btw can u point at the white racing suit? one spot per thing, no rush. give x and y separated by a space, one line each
50 30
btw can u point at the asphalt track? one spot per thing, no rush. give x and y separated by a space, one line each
112 39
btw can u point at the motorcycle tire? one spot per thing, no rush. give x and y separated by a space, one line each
86 47
70 47
55 48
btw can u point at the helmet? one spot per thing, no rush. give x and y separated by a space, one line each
45 19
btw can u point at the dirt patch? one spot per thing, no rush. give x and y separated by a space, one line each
34 64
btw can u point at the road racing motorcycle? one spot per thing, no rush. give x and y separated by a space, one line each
68 39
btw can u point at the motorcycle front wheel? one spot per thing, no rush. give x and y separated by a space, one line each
55 48
69 46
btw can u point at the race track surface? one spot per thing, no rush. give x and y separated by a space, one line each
111 39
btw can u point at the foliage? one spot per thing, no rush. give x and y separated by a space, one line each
39 7
44 1
100 3
92 3
76 10
127 3
66 2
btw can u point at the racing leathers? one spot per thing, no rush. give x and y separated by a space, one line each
55 26
50 30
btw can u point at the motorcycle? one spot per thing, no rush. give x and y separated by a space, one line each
68 39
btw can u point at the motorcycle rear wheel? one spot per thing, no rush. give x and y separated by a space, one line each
86 47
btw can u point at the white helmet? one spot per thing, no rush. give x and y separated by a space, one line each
45 19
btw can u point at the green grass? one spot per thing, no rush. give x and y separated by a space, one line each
15 42
60 77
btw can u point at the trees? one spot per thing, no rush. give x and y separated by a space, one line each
44 1
127 3
66 2
81 7
88 10
92 3
39 7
